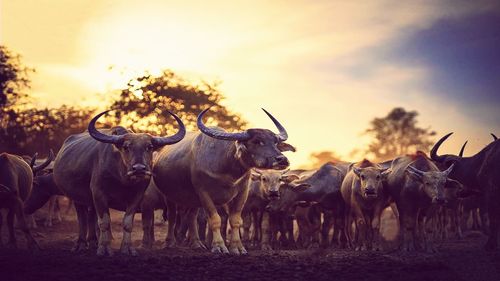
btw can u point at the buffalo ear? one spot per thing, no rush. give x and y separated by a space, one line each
385 173
240 149
289 178
357 171
283 146
255 175
453 184
300 187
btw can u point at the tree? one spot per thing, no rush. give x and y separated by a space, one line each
13 78
23 128
397 134
141 105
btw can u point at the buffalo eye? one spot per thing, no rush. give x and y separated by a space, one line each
362 177
378 177
264 179
126 147
149 147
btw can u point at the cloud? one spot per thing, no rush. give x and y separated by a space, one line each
324 68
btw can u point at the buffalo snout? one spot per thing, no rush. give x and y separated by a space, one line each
140 170
274 195
281 162
439 200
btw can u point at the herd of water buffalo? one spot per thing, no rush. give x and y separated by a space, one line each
204 180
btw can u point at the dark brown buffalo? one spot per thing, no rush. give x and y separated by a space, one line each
16 180
418 187
108 169
478 171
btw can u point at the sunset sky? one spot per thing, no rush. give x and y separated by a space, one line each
323 68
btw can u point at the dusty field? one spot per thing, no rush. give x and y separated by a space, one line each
457 260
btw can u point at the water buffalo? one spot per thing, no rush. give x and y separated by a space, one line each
204 169
264 186
418 187
16 179
321 186
108 169
365 197
481 171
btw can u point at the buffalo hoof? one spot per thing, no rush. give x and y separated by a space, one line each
266 247
93 244
313 246
147 246
80 246
170 243
197 244
104 250
128 250
238 249
219 249
408 248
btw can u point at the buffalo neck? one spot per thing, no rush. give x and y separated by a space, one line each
236 167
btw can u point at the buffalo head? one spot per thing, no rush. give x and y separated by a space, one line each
258 148
136 150
371 180
433 183
290 188
270 182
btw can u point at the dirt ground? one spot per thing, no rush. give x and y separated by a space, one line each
456 260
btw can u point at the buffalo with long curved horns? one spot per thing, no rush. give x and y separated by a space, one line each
102 169
205 169
479 170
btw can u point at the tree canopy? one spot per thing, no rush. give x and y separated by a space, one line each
13 78
317 159
397 134
142 104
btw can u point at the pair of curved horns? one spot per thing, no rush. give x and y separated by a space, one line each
38 168
118 139
240 136
436 146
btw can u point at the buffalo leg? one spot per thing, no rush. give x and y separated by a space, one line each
235 208
104 221
170 241
147 214
214 223
328 221
247 222
128 224
92 228
18 209
82 216
224 216
194 241
266 233
494 217
202 224
408 230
